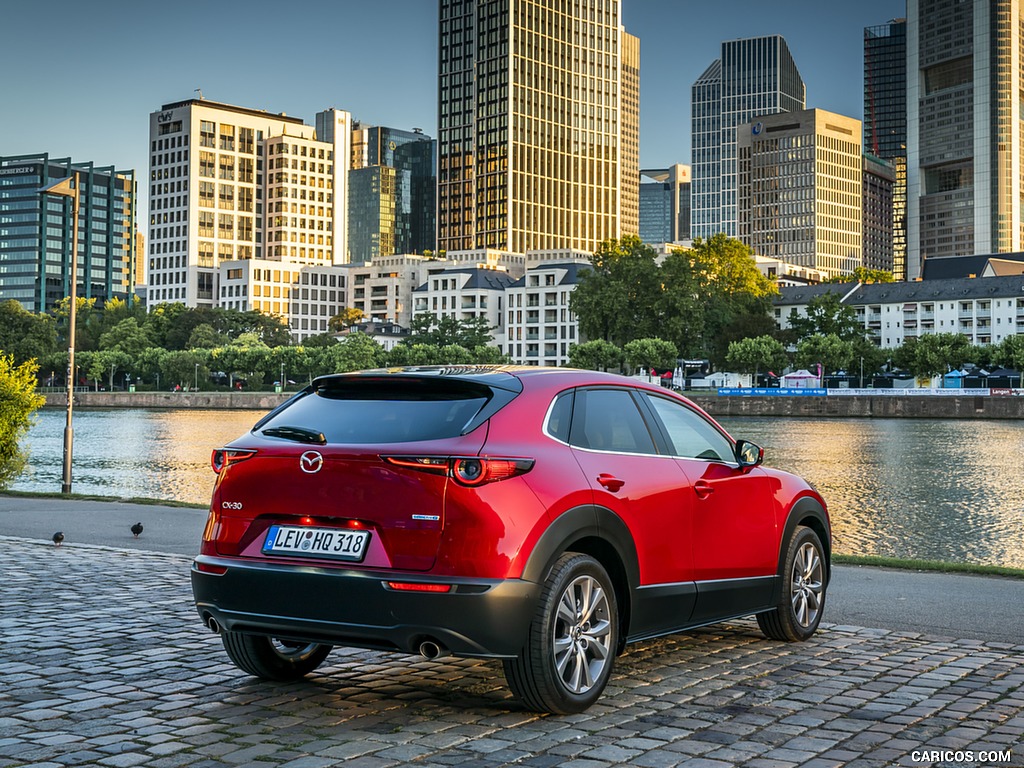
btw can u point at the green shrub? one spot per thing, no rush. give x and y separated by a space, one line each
18 401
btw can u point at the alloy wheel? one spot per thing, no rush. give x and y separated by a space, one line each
808 584
582 635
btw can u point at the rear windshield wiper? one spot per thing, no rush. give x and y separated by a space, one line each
298 434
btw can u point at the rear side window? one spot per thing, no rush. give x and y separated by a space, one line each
384 410
609 420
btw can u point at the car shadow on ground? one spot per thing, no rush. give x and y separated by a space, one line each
354 684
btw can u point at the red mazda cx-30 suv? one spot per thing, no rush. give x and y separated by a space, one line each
545 517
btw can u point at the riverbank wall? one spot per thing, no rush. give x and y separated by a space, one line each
879 406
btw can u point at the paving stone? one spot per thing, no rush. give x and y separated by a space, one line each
146 685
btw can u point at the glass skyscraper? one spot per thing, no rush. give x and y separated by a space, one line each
964 129
885 119
538 125
36 232
392 192
665 204
753 77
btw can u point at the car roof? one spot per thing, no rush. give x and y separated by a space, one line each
509 377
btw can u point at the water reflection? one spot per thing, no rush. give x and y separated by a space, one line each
133 452
921 488
932 489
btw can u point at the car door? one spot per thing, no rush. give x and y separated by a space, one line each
613 444
735 557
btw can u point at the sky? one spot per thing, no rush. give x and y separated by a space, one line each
80 79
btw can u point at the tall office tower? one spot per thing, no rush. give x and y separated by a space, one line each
964 131
629 165
885 121
230 183
753 77
36 232
877 235
665 204
392 192
537 117
800 189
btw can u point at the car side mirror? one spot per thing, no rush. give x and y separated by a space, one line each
748 454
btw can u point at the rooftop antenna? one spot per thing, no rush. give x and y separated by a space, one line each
200 92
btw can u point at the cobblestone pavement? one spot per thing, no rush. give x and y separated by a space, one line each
103 661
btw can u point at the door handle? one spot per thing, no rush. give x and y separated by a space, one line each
611 482
703 489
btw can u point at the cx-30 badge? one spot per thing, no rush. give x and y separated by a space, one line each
311 462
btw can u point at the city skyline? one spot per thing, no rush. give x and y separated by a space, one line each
89 95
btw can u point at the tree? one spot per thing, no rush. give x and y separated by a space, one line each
595 355
827 315
488 354
651 353
688 300
428 328
356 353
320 340
831 351
614 300
753 355
87 323
18 401
147 364
24 335
1010 352
864 275
205 336
346 317
743 326
180 367
937 353
867 358
127 337
105 363
728 285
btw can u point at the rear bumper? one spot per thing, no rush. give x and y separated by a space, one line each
479 617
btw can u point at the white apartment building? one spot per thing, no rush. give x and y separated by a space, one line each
984 310
228 184
308 296
466 293
382 288
539 327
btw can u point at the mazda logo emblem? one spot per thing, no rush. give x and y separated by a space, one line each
311 462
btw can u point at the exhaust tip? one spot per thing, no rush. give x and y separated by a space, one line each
213 624
430 650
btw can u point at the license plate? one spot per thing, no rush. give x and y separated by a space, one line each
303 541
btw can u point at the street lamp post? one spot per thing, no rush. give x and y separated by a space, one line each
64 187
197 378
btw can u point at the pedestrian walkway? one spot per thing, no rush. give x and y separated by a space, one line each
103 661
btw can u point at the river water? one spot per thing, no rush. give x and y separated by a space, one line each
920 488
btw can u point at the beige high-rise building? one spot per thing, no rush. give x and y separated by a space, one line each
229 183
538 125
800 189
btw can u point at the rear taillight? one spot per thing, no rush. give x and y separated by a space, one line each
466 470
417 586
478 471
221 458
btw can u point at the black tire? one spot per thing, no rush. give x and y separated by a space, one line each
804 584
273 659
573 638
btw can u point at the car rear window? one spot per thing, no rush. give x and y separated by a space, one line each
394 410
